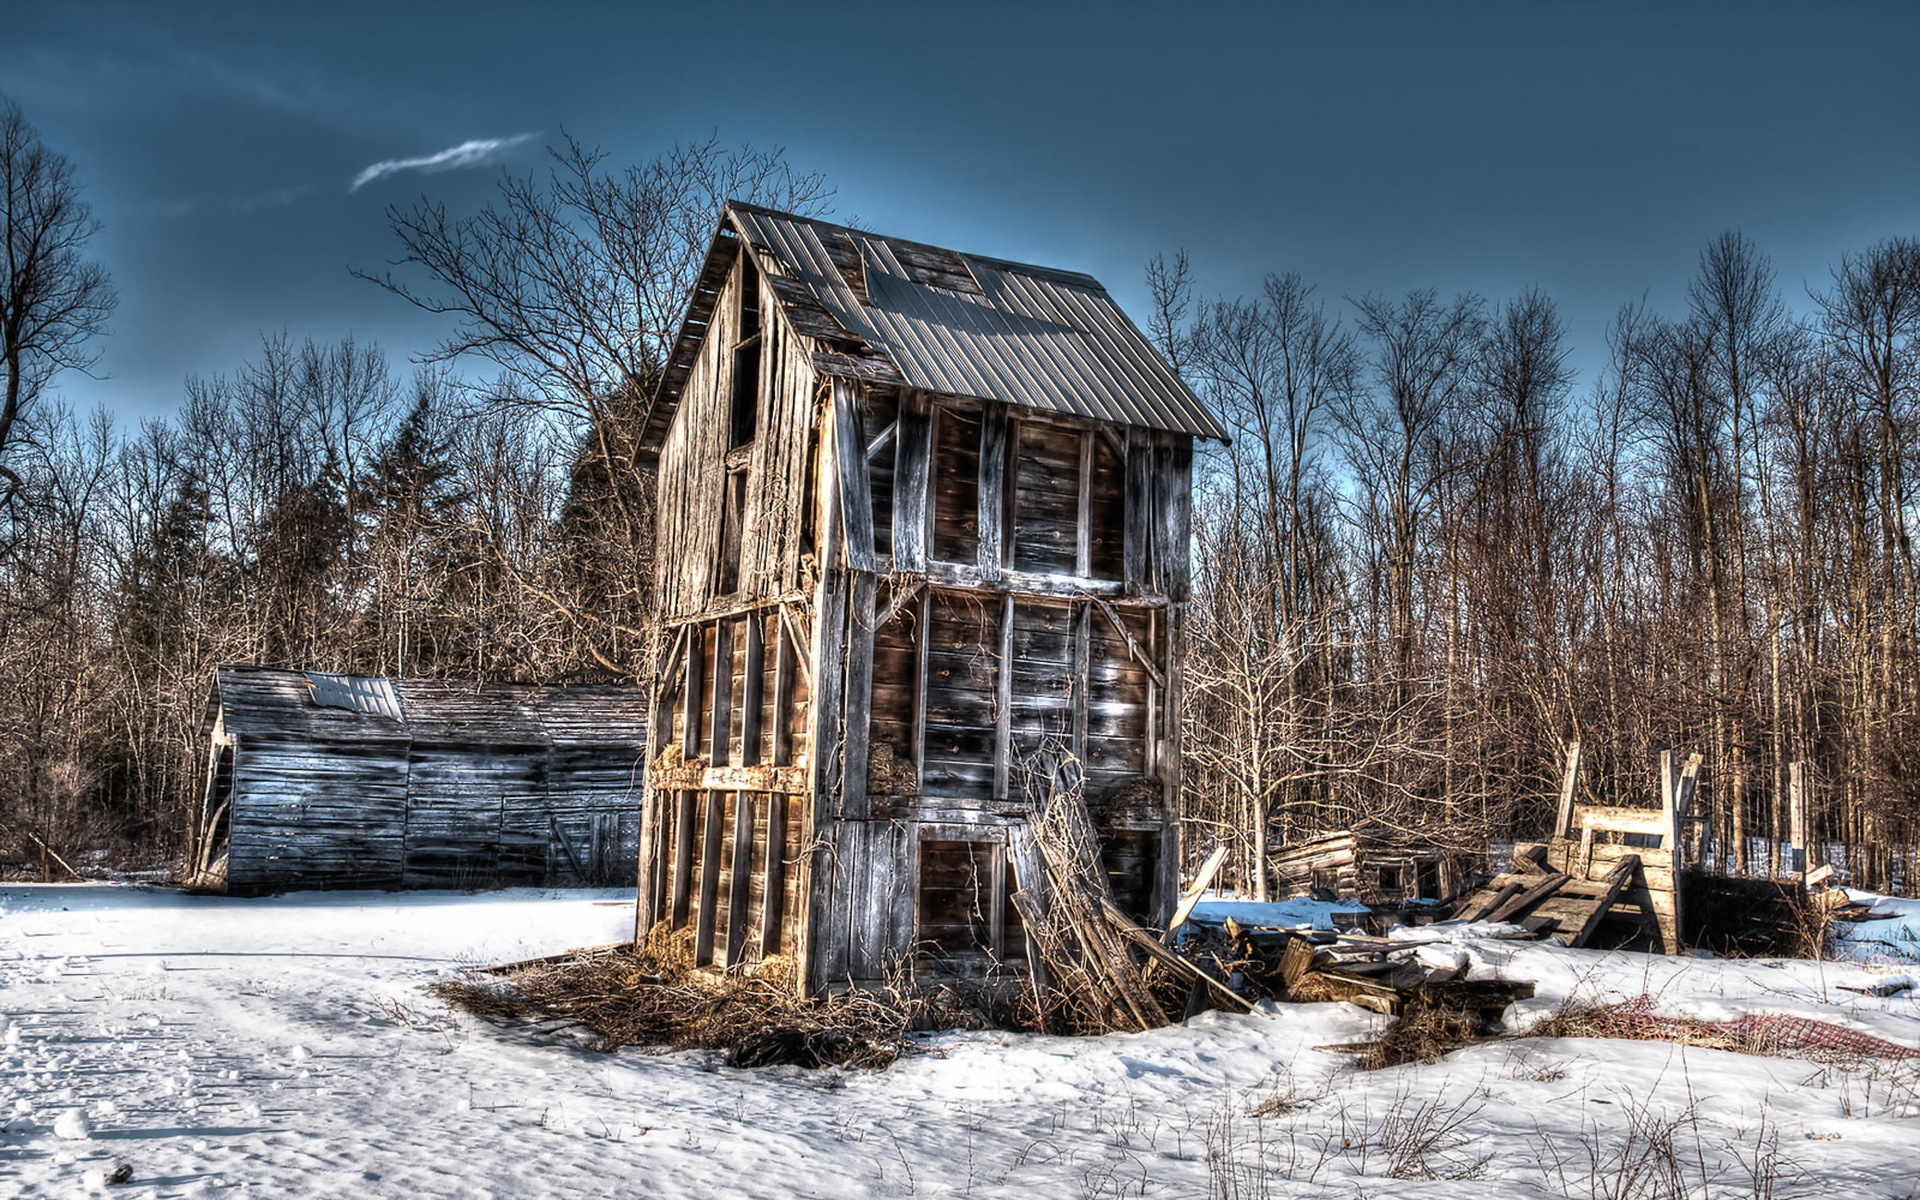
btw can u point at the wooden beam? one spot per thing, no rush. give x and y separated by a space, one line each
1563 824
912 475
773 906
1136 539
1173 513
714 829
1133 648
686 807
859 700
722 683
1033 583
740 878
1190 899
1003 703
882 440
1078 674
995 442
920 691
783 675
693 699
753 692
1797 831
856 492
1083 523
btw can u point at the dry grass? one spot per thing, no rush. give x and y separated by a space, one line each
653 996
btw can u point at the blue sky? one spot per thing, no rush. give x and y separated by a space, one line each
1589 150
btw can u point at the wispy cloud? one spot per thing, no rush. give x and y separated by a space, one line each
475 153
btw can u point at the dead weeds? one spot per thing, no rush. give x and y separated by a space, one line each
652 995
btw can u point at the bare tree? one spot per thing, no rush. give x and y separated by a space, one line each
53 300
573 283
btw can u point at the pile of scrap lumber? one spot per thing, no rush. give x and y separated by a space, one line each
1307 966
1094 967
1565 903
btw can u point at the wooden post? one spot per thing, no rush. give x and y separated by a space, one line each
912 453
1136 536
1563 823
693 698
1003 703
995 438
722 710
753 690
859 701
1797 818
856 492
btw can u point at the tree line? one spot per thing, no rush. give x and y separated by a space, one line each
1429 559
1432 558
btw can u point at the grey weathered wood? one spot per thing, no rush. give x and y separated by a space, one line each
1137 537
856 494
740 879
1003 702
1078 676
712 830
720 715
772 910
1083 525
783 675
685 835
1173 508
995 444
912 458
859 700
1798 838
753 695
1569 780
693 696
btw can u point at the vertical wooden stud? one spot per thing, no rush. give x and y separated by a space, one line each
1569 779
753 691
721 714
859 700
995 451
1003 704
913 453
713 831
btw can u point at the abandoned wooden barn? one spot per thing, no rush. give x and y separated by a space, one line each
921 515
331 781
1370 864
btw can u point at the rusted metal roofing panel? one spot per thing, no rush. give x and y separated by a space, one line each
965 325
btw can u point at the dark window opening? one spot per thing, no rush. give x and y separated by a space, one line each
746 359
746 394
1392 880
1429 879
730 534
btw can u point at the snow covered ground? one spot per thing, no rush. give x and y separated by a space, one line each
283 1047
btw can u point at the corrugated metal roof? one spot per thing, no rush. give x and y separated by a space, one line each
1031 336
355 693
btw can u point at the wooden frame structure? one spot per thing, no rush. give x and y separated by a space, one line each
920 515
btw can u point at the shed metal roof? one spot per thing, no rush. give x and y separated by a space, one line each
890 310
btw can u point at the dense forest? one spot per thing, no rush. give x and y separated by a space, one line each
1430 558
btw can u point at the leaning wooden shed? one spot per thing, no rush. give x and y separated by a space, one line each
922 515
326 781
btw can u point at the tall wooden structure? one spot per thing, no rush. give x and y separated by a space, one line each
921 514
